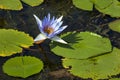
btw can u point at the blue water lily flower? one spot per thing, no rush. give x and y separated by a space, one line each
49 28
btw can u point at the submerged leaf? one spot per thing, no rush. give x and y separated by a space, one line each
12 41
83 4
82 45
101 67
115 25
22 66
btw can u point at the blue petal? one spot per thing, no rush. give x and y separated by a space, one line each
52 20
56 32
58 26
39 22
60 30
48 20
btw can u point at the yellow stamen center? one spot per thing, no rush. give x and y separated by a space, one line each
48 30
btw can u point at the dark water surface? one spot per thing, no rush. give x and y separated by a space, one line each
76 19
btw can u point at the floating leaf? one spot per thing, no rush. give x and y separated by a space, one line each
113 9
115 25
10 4
102 4
16 4
82 45
22 66
83 4
101 67
12 41
33 2
115 79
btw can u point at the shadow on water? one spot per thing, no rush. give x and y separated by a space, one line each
76 19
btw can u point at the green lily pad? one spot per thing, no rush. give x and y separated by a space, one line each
10 4
83 4
82 45
102 4
12 41
16 4
101 67
113 9
22 66
115 25
115 79
33 2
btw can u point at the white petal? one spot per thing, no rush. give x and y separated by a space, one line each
40 37
39 22
59 19
57 39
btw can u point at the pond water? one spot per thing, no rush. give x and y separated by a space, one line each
76 19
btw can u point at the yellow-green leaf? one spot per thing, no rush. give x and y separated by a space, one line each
10 4
115 25
101 67
113 9
12 41
82 45
16 4
83 4
33 2
22 66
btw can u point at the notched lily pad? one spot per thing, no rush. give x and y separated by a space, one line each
113 9
101 67
115 25
82 45
102 4
12 41
22 66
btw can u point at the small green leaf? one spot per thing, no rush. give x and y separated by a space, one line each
83 4
10 4
101 67
33 2
12 41
82 45
22 66
115 25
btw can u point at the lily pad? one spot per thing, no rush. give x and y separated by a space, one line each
101 67
102 4
16 4
113 9
33 2
115 79
10 4
82 45
83 4
22 66
12 41
115 25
